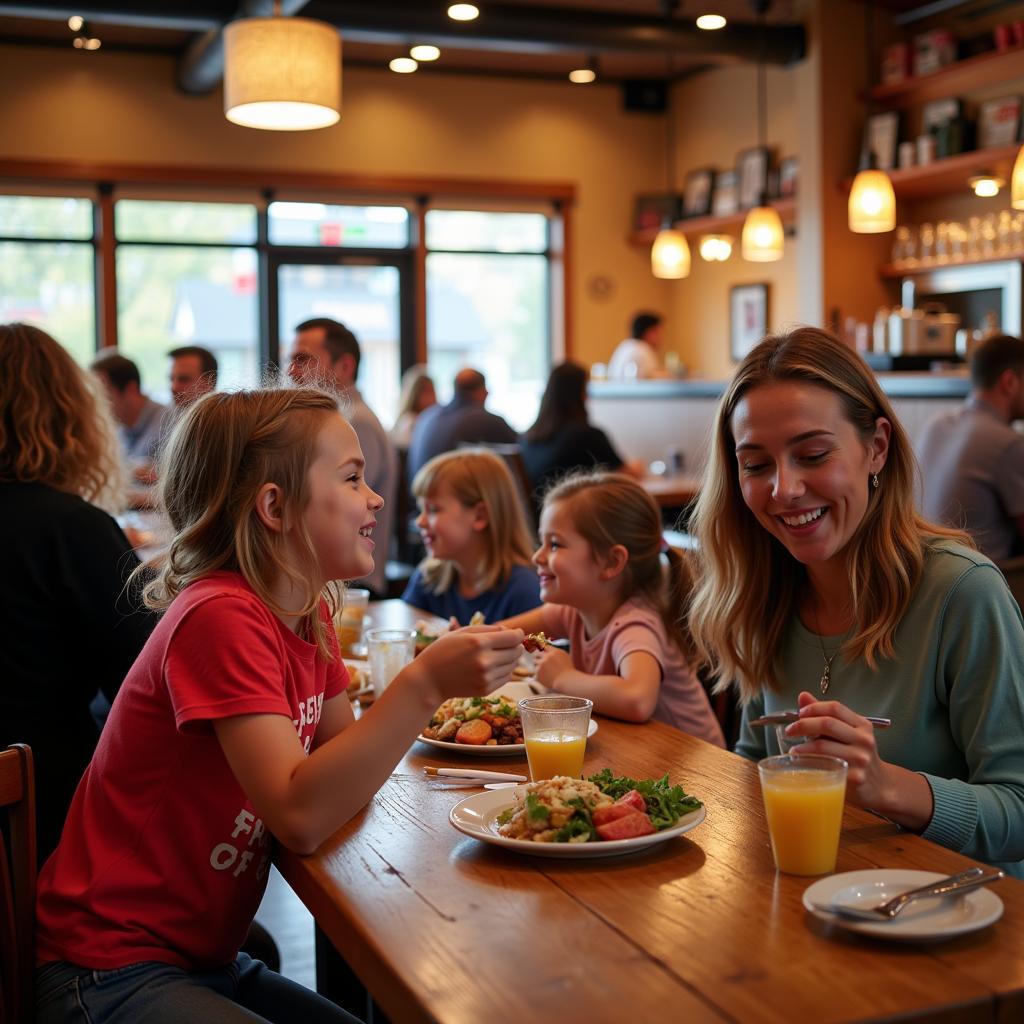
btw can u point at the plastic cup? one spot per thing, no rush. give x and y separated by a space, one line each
390 650
803 801
348 623
555 734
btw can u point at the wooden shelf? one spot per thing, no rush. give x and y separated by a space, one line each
974 73
732 224
949 176
890 272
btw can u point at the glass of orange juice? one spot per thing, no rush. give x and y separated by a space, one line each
555 734
803 801
348 622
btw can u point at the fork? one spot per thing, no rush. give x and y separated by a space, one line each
966 881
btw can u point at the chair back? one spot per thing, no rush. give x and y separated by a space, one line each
512 454
1013 570
17 884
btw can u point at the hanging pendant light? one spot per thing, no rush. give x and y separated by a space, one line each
282 74
762 240
1017 181
872 205
670 253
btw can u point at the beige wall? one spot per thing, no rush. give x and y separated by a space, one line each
110 107
716 118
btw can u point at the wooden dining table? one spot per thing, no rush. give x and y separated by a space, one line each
442 927
674 490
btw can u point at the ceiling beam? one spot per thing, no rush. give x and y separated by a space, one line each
161 14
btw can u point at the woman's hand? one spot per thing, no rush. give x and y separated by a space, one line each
551 662
902 796
469 661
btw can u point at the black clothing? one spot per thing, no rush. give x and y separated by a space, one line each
576 446
67 629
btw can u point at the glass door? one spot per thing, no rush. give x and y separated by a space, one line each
369 295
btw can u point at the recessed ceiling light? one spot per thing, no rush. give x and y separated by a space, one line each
424 52
75 22
403 65
582 76
709 22
93 44
463 12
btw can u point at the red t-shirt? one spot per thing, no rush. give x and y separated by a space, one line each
163 857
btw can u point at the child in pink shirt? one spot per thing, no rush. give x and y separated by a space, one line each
605 588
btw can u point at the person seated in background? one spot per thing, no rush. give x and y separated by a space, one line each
478 545
140 419
605 587
637 356
417 394
562 438
193 373
820 589
69 627
325 353
972 460
464 420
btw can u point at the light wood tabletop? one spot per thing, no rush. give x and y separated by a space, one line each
674 490
441 927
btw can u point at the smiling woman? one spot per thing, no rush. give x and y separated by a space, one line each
817 572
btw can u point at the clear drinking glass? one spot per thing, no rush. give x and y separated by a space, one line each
803 801
555 734
349 620
390 650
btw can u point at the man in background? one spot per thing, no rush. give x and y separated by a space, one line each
637 356
972 460
464 420
193 373
140 419
326 353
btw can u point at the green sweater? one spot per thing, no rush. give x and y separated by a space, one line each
954 691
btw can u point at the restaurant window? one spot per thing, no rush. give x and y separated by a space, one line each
187 275
354 227
488 304
47 268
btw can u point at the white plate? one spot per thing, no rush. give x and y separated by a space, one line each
508 750
476 816
923 921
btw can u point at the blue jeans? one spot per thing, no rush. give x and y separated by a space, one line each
154 993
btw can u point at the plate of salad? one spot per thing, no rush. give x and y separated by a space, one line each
603 816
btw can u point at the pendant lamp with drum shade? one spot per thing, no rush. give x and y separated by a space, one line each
282 74
670 253
1017 181
872 204
762 240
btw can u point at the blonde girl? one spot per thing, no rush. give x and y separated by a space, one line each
473 526
822 589
232 727
605 588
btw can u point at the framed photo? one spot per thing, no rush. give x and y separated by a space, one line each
999 122
748 318
697 192
651 212
789 175
725 200
752 167
882 133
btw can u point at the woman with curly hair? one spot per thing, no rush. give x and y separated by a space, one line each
68 628
821 589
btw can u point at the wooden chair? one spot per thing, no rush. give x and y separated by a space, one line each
1013 570
17 885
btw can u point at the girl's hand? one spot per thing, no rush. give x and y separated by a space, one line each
551 662
470 661
840 732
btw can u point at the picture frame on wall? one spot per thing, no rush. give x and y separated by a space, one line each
999 122
650 212
789 176
697 189
748 318
725 199
881 137
752 168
